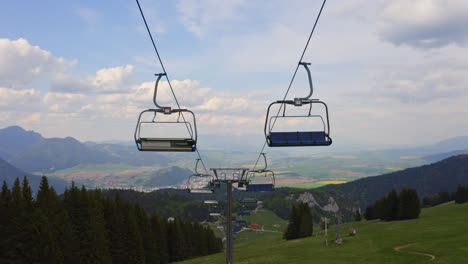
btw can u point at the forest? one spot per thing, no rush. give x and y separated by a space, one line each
393 206
83 226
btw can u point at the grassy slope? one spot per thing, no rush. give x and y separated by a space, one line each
441 231
267 220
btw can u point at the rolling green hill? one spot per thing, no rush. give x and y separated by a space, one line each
440 231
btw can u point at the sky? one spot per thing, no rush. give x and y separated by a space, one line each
392 72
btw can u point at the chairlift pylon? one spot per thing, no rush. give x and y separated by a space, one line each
158 143
299 138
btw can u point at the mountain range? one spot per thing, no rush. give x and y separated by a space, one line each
32 153
9 173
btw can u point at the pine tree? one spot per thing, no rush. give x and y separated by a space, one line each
305 224
13 229
149 242
57 230
392 206
159 232
459 194
357 216
5 214
414 203
292 231
369 214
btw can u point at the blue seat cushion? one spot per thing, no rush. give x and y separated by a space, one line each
298 138
243 213
260 187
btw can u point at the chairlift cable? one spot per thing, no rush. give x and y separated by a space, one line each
167 77
292 79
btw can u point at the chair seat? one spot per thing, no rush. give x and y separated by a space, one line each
260 187
308 138
167 144
201 191
243 213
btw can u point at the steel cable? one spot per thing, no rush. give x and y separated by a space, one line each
168 81
292 79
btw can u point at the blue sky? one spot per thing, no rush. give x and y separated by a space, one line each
392 72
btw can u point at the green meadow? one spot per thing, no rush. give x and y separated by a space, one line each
440 232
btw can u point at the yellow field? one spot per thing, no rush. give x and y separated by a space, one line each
331 182
408 157
393 168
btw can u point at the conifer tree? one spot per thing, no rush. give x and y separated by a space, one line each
5 207
159 232
461 195
415 204
292 230
149 242
369 214
392 206
409 204
357 216
305 224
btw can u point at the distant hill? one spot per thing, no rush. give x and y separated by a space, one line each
14 140
59 153
427 180
130 154
165 177
31 152
9 173
441 156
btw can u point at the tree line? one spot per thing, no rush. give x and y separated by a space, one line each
82 226
461 195
393 206
300 222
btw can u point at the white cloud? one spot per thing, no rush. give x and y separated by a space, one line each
19 100
202 16
21 63
424 23
89 16
33 118
4 116
109 80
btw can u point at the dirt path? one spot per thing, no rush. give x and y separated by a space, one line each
413 252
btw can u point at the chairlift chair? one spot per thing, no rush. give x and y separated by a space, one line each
252 178
243 213
248 200
201 183
210 202
298 138
157 143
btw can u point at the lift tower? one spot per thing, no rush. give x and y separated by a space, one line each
229 176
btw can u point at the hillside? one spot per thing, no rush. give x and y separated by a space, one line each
436 233
15 140
9 173
31 152
438 157
59 153
427 180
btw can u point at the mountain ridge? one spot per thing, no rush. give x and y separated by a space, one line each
429 179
